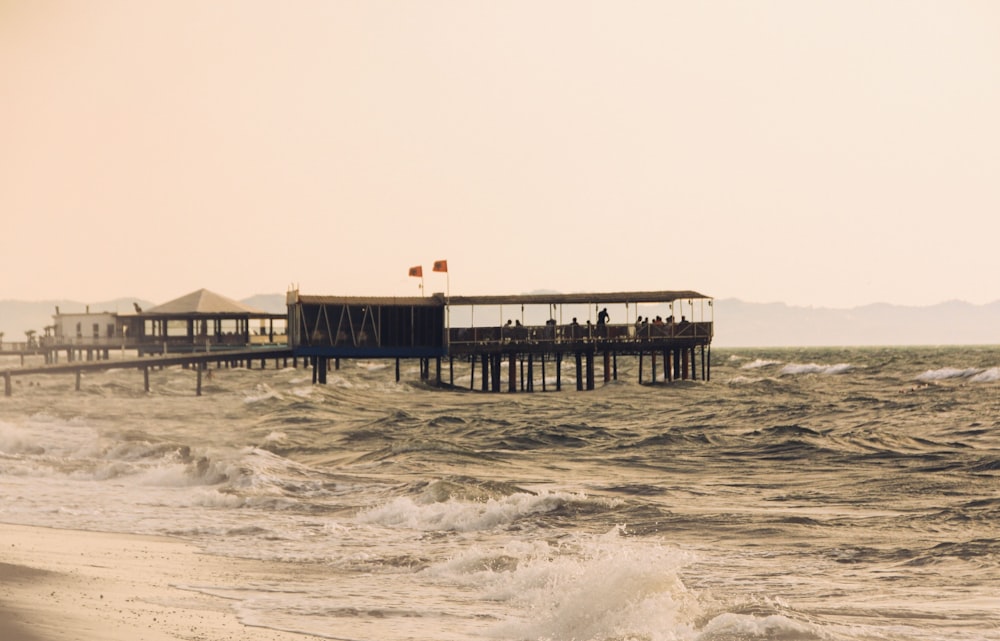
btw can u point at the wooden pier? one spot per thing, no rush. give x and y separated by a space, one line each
499 337
549 328
198 362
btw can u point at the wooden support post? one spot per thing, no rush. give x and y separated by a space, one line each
708 360
198 386
559 372
590 370
512 373
472 373
615 364
397 369
652 356
497 363
451 370
543 371
312 361
437 367
607 366
7 389
677 363
487 358
640 367
531 372
579 372
78 380
323 364
145 379
684 364
336 363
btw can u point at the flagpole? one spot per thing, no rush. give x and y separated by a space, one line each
442 266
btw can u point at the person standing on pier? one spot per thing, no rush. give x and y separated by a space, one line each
602 321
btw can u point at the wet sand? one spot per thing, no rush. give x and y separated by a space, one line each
62 585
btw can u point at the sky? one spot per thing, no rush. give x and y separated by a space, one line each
825 153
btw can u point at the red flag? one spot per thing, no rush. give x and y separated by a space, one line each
440 265
417 271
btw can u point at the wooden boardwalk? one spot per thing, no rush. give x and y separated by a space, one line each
198 361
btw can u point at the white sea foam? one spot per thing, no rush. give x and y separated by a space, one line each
760 362
744 380
463 516
262 392
372 366
16 440
991 375
603 587
814 368
973 373
745 627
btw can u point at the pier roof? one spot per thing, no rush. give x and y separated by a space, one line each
386 301
438 299
581 298
206 303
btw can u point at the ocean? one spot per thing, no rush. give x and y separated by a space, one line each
844 494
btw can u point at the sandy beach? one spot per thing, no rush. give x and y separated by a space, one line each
63 585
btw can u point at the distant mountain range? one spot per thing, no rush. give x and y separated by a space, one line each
737 323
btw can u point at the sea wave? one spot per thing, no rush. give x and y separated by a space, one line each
759 363
601 587
466 516
815 368
973 374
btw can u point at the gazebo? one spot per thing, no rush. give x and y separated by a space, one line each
203 321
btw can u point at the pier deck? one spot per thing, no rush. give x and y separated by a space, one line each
197 361
548 327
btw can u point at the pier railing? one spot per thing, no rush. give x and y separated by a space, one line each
18 346
589 333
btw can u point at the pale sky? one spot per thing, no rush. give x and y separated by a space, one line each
828 153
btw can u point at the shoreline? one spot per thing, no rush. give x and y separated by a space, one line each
63 585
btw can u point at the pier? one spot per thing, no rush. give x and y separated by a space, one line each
513 335
197 362
507 343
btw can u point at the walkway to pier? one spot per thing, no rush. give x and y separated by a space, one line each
199 362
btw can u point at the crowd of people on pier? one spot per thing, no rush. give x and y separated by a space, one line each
514 331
